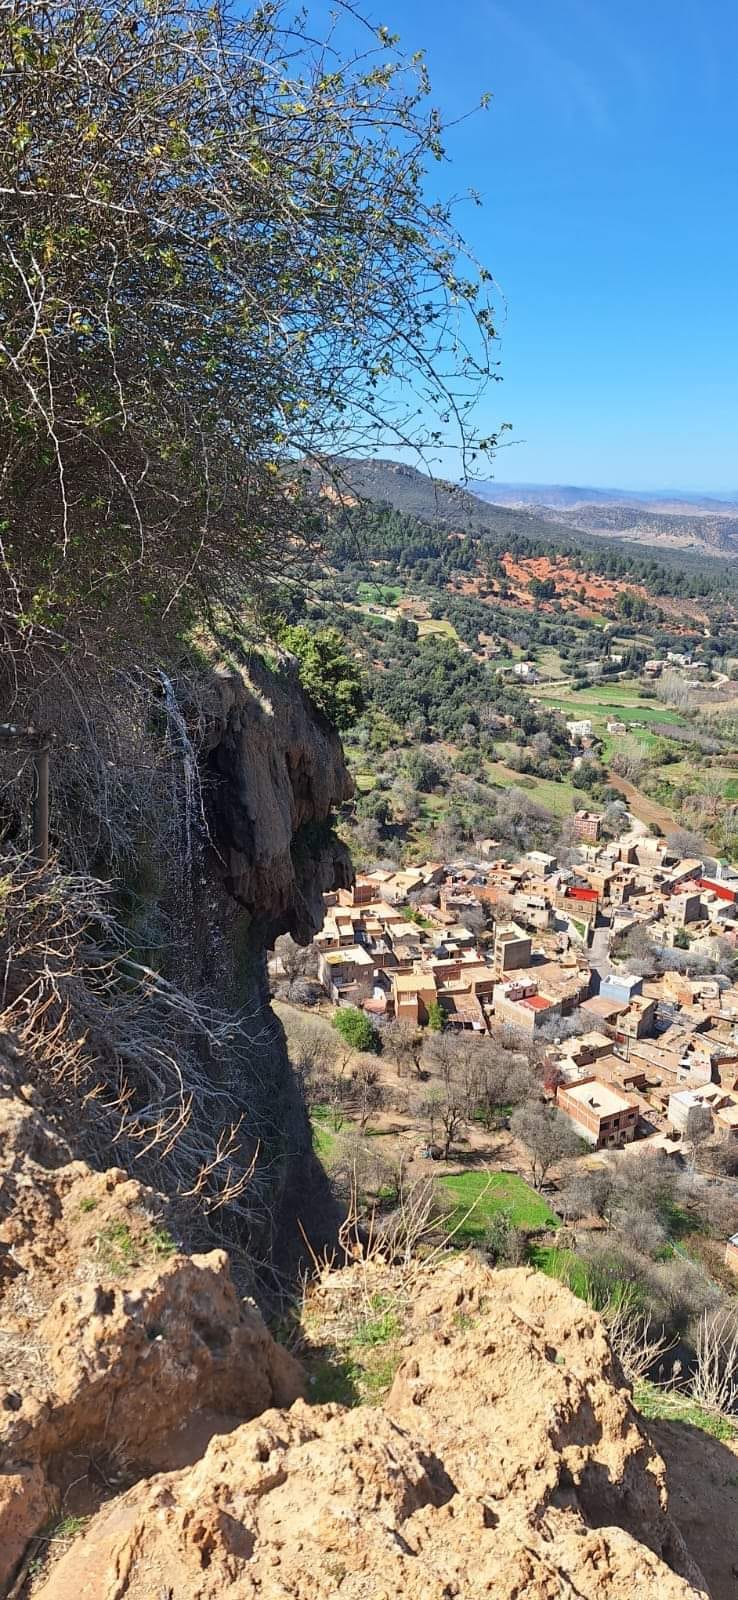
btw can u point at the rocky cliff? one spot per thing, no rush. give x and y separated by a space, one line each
162 1439
194 810
274 772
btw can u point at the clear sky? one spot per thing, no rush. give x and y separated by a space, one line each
608 165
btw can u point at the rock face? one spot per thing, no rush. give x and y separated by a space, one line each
276 770
506 1463
110 1339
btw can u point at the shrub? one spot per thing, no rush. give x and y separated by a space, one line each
436 1017
356 1029
327 672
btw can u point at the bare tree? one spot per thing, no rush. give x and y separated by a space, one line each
686 844
674 690
368 1093
588 1193
441 1053
451 1116
297 961
715 1379
698 1131
428 1108
505 1079
404 1044
548 1137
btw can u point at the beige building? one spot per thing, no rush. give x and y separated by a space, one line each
603 1116
338 968
512 949
413 994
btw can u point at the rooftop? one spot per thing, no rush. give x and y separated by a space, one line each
599 1097
352 952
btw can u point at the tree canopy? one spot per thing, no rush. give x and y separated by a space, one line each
217 259
327 671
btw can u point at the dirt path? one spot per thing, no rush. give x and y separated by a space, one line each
646 810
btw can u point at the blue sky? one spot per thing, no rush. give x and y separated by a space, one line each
608 165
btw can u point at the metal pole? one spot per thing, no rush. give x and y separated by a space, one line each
41 807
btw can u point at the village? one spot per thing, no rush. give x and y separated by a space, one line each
538 950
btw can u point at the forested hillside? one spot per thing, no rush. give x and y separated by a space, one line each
477 646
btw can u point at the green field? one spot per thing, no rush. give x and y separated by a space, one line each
559 798
324 1137
669 1405
695 778
484 1194
564 1265
429 625
379 594
549 663
603 703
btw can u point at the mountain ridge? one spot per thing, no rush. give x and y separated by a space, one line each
562 495
472 509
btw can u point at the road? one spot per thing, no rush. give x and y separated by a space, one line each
599 960
646 810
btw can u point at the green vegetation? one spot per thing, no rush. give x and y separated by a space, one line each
436 1017
668 1405
67 1529
161 1242
200 209
566 1266
119 1250
356 1028
483 1194
361 1367
324 1137
384 594
327 672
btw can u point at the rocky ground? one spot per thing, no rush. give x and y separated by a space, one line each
158 1444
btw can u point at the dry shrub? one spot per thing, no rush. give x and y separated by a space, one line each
714 1382
145 1073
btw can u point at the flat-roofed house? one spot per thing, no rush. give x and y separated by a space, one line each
413 994
519 1005
721 1104
588 825
603 1115
512 949
339 968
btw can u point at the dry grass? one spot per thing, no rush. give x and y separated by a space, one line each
131 1061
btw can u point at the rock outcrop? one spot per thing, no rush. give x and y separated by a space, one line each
111 1340
506 1462
276 770
139 1392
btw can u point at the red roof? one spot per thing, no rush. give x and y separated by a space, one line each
720 889
536 1002
578 893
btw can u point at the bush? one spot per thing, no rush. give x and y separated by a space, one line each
356 1029
328 672
436 1018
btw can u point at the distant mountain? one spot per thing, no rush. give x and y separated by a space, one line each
558 495
547 512
427 499
660 519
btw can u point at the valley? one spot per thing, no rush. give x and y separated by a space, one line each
510 678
